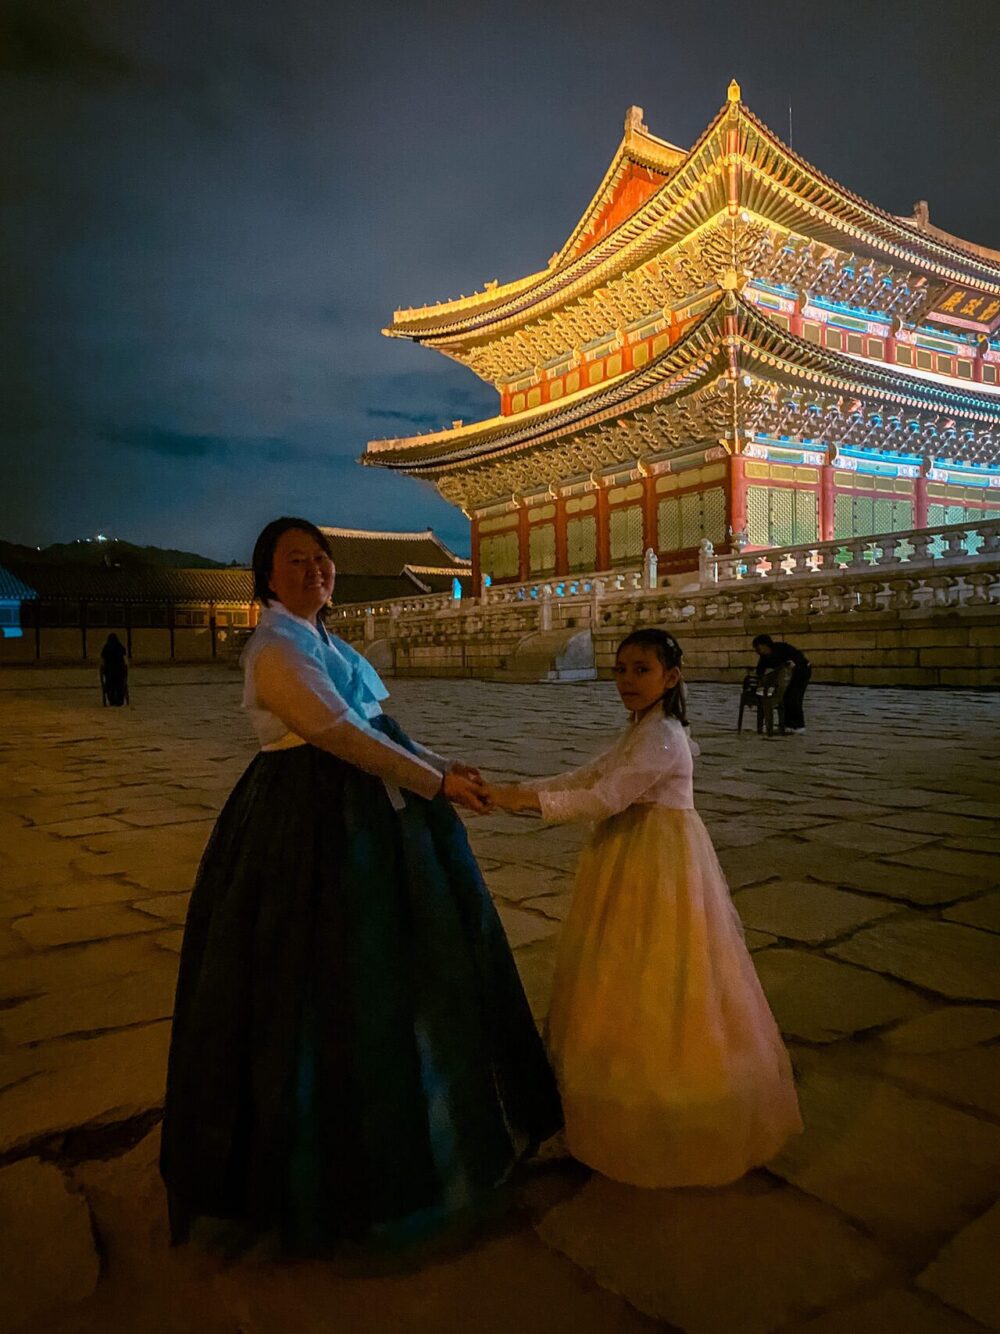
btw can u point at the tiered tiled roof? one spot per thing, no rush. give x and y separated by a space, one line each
733 360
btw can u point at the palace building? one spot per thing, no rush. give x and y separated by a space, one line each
729 346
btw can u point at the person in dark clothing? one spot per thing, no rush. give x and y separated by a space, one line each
114 671
774 653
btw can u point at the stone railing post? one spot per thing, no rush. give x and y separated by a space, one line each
708 570
545 608
978 588
649 566
596 598
956 546
921 544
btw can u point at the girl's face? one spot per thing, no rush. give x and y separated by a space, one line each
641 677
302 573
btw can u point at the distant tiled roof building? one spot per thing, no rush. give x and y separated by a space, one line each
63 610
137 583
13 592
13 589
374 566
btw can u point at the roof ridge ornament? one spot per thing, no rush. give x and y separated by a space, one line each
634 121
734 93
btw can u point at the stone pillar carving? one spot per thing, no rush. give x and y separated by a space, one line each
649 564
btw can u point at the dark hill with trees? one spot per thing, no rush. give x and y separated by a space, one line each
111 553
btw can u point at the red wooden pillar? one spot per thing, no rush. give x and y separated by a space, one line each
650 536
827 503
562 550
522 544
795 319
476 571
920 502
603 530
977 362
737 495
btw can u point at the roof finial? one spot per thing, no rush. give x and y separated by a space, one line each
734 92
634 123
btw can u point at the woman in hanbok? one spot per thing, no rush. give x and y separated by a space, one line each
671 1067
352 1055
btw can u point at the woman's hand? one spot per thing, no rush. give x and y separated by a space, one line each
466 771
466 791
513 798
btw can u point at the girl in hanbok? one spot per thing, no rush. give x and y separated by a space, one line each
671 1067
352 1053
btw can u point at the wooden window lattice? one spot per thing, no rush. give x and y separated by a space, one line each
542 548
806 517
713 508
499 556
758 517
682 521
581 542
626 534
668 525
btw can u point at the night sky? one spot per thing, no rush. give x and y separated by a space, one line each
210 208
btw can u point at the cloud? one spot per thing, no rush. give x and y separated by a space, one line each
158 440
411 418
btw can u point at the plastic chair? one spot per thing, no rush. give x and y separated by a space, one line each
766 694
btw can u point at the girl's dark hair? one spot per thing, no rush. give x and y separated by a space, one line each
671 655
263 552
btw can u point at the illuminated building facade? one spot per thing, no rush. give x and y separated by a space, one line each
729 345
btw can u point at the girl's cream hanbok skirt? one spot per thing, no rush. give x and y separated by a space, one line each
671 1067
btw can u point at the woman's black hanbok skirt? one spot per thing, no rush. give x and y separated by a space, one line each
353 1056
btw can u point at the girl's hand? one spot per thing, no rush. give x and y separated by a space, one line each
468 792
513 798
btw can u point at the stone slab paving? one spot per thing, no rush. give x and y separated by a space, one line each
863 859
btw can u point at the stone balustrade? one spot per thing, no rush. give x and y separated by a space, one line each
935 546
900 609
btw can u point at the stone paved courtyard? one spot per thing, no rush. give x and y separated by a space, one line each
862 857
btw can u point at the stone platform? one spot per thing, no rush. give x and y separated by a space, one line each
862 857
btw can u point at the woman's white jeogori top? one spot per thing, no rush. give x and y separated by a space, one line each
651 764
303 686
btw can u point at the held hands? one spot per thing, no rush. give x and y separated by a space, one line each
510 797
464 786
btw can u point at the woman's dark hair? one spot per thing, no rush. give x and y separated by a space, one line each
263 552
671 655
763 639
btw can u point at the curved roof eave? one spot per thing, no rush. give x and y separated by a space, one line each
681 369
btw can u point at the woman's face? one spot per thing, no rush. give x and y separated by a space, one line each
641 677
302 573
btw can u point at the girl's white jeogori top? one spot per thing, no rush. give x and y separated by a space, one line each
651 764
324 692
